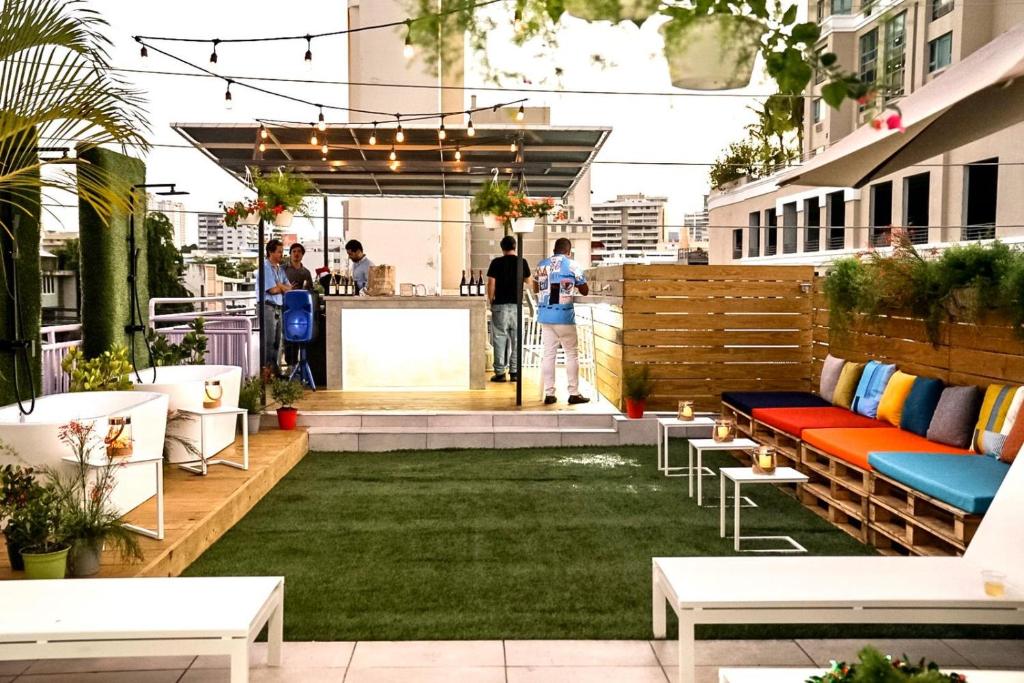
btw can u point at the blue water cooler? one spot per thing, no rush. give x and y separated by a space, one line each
297 323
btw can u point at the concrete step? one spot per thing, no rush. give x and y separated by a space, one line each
395 438
482 420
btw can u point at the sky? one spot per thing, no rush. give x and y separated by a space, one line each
687 127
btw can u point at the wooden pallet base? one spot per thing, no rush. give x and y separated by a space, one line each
920 519
744 422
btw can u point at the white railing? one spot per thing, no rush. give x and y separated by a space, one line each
53 352
533 347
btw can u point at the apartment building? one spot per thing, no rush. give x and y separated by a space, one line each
967 193
629 223
175 213
215 236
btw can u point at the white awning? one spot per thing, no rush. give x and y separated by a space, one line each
981 95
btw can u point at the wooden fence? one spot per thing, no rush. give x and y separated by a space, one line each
702 330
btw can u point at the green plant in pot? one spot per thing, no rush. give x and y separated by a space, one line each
492 201
636 387
89 520
280 195
18 485
37 528
250 398
191 350
286 393
110 371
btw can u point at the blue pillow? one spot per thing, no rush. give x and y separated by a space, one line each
872 384
920 405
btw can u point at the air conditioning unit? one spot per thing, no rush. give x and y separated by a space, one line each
818 127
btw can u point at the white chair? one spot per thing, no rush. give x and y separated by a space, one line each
849 590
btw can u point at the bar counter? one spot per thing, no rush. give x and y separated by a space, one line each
406 343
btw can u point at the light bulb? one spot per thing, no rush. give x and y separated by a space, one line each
408 51
373 135
458 154
393 156
213 55
324 149
393 165
228 104
470 130
322 124
517 22
263 132
441 132
312 137
521 114
263 147
399 134
512 147
309 53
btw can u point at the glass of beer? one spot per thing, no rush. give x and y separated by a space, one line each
995 583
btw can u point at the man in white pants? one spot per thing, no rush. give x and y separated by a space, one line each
558 279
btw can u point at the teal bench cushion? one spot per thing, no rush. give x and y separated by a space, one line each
968 482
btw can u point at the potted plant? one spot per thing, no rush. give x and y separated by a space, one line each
492 202
89 520
250 397
714 51
280 195
872 665
110 371
523 211
286 393
636 387
38 529
18 485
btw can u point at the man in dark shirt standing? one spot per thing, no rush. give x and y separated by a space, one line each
501 292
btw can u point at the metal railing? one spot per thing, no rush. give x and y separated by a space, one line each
533 347
982 231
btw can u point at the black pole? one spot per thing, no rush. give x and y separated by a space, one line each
519 319
261 296
326 264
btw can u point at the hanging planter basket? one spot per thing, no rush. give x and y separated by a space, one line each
251 219
283 219
492 222
524 224
612 10
712 52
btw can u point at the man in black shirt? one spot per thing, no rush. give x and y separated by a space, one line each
501 292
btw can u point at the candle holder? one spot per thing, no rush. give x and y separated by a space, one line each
685 411
212 393
765 459
724 430
119 436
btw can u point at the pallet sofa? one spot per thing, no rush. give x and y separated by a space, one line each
874 472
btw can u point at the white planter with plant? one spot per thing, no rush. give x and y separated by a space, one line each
713 51
250 397
281 194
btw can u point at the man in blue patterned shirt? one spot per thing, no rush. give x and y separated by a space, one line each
559 278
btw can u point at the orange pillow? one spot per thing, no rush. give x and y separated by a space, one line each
890 408
1014 441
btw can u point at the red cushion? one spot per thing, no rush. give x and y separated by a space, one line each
795 420
854 445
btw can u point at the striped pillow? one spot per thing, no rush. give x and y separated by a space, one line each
995 405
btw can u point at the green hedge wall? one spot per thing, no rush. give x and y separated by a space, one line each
29 292
104 260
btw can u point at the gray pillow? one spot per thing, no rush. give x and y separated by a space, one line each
830 376
955 416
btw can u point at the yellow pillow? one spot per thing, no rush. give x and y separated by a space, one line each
846 387
890 408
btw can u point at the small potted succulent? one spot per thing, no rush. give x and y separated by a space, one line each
286 393
281 195
492 202
637 386
250 397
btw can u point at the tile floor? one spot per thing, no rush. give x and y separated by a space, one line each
510 661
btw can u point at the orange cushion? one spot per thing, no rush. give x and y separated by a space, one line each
1014 441
890 408
795 420
854 445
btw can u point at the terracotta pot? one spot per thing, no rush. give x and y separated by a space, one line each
287 418
635 408
283 219
713 52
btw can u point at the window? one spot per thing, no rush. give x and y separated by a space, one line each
789 228
819 72
869 56
820 9
737 244
835 209
842 6
816 109
940 8
881 214
868 6
940 52
812 221
771 235
895 54
981 182
754 234
915 207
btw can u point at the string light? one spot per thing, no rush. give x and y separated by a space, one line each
322 125
309 53
518 21
373 135
470 130
399 134
521 114
213 55
393 165
512 147
312 136
228 104
441 133
408 51
458 154
143 52
263 147
393 156
263 132
324 149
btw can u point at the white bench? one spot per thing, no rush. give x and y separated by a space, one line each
849 590
142 618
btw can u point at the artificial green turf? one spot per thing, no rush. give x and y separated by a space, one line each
471 544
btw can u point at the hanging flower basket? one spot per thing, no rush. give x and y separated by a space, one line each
492 222
712 52
283 218
526 224
612 10
250 219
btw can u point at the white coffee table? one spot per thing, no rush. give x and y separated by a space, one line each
698 446
799 675
667 424
745 475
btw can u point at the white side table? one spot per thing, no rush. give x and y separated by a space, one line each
698 446
157 463
745 475
799 675
202 465
665 425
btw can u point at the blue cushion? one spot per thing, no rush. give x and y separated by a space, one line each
920 405
746 401
871 387
968 482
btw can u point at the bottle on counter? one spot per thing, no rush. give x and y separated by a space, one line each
334 284
480 283
463 286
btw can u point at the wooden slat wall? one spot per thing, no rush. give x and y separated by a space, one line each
703 330
606 300
966 354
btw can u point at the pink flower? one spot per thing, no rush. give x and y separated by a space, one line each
278 209
895 122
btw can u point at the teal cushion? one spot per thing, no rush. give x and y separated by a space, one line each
967 482
920 405
871 387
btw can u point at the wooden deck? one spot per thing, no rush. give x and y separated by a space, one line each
198 510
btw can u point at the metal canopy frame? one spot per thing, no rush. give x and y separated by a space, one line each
550 159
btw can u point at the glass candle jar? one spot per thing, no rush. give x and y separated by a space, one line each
212 393
685 410
119 436
724 430
765 459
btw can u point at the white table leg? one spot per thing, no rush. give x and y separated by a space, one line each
700 476
689 469
275 634
736 516
660 466
721 505
240 661
687 658
159 464
658 610
245 441
665 456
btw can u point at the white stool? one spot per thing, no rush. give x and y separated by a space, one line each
202 466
